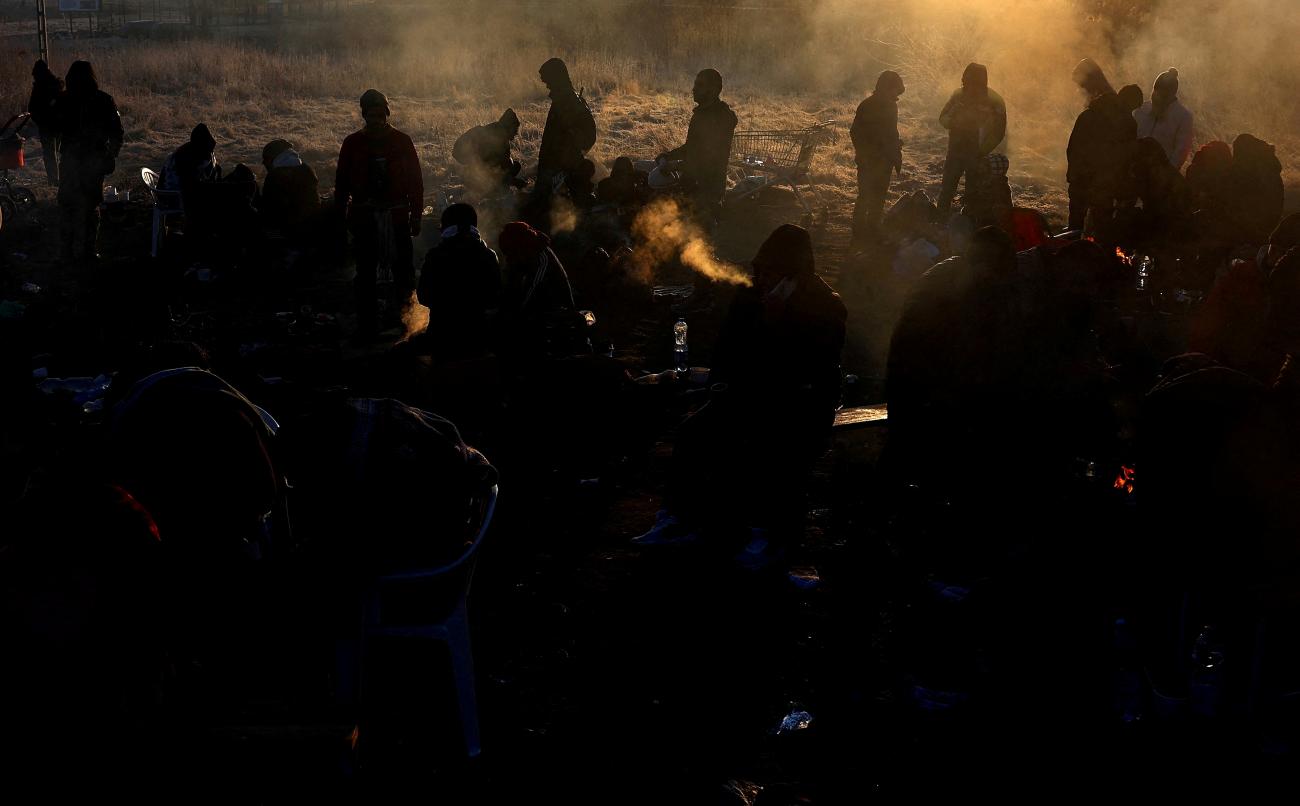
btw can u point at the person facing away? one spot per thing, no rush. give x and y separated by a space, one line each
485 153
537 305
976 119
708 146
194 162
89 128
461 286
379 187
1255 189
46 89
290 197
1165 119
877 150
1097 152
570 129
625 186
987 200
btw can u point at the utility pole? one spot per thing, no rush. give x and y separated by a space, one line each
42 34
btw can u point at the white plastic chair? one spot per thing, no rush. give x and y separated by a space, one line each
448 587
165 203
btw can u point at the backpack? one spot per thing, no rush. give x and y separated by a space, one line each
584 128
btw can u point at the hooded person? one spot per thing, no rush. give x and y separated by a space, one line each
379 186
878 152
46 89
1207 175
461 285
570 129
485 153
1166 201
1098 152
708 146
976 119
625 186
537 306
1255 189
1165 120
742 463
290 198
89 128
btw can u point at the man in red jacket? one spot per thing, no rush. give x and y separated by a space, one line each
381 190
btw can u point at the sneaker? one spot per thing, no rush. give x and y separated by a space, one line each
760 553
668 530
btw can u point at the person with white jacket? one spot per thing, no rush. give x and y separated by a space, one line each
1165 120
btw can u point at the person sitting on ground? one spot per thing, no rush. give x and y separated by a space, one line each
195 161
707 147
537 307
742 463
1255 189
290 198
461 286
1166 120
485 153
987 200
624 187
581 185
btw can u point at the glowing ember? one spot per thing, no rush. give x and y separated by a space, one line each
1124 481
1126 259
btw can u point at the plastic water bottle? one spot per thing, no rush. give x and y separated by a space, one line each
679 345
1207 674
1145 265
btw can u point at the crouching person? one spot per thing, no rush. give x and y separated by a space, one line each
742 463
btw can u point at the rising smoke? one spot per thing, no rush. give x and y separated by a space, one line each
663 235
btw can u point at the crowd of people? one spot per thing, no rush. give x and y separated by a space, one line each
1157 331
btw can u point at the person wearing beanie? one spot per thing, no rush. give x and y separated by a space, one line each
1165 119
878 152
976 119
1098 153
461 285
741 464
89 128
46 89
485 153
380 189
707 148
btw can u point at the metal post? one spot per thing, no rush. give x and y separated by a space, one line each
42 35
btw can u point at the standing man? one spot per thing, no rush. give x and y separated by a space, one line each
570 129
46 89
976 120
707 148
1165 120
1098 153
878 151
89 129
381 191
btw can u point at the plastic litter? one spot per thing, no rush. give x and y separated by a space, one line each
795 721
805 577
31 288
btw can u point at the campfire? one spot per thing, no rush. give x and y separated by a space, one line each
1124 257
1124 481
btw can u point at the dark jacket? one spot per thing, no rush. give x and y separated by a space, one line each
89 128
568 127
381 170
707 147
46 89
976 121
875 132
1100 144
1255 190
487 147
461 285
290 195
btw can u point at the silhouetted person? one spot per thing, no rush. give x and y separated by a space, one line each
1097 153
194 162
89 129
878 152
708 146
537 304
1255 189
380 187
1165 120
461 285
290 199
1130 98
625 186
570 129
485 153
742 463
987 200
1207 177
1166 200
46 89
976 120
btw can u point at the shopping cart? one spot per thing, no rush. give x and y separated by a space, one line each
777 157
14 199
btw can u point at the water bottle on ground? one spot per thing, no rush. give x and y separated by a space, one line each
1145 264
1207 674
679 346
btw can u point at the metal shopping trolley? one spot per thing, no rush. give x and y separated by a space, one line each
777 157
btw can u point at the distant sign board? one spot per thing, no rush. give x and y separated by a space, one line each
71 6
